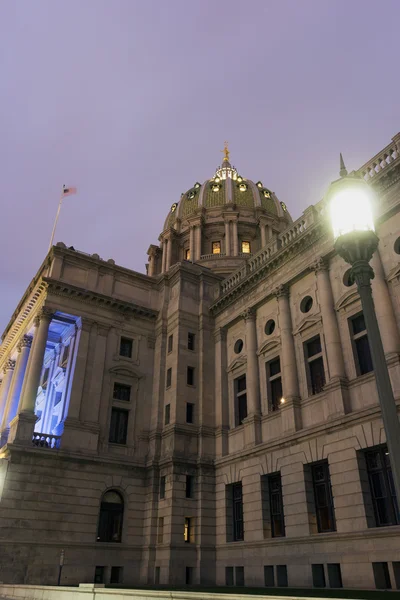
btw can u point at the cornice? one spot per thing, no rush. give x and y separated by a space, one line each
66 290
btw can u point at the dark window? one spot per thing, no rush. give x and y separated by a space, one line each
238 347
269 579
118 426
237 500
361 349
396 572
191 339
162 487
276 505
122 392
169 378
315 365
274 383
125 347
382 487
190 376
318 576
160 533
170 342
189 486
189 412
157 576
229 576
269 327
167 415
281 576
381 576
99 573
188 530
334 575
189 576
57 399
111 516
64 356
240 400
323 497
116 574
239 576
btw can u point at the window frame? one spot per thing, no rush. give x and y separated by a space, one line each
105 524
328 488
237 397
191 341
190 412
122 339
122 386
167 414
319 356
190 370
170 343
214 245
270 381
237 512
242 242
168 379
117 410
391 502
354 339
271 495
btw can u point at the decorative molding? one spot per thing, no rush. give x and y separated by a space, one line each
268 346
282 291
125 371
348 298
307 323
25 342
320 264
249 314
236 364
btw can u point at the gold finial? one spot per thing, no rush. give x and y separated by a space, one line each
226 152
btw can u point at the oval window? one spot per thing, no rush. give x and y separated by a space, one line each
348 279
238 346
397 246
269 327
306 304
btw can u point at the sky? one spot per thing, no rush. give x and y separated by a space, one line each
131 101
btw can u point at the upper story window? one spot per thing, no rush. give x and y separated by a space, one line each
169 378
64 356
122 392
187 254
276 505
382 487
170 342
125 347
189 486
111 517
240 400
191 341
162 487
190 376
118 426
361 349
189 412
246 247
274 383
315 365
216 247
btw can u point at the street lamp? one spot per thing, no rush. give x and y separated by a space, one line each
349 200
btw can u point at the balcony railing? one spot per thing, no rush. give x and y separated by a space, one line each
381 161
46 440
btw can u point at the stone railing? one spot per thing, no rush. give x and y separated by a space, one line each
212 256
381 160
46 440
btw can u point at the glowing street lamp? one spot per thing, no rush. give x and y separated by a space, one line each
350 205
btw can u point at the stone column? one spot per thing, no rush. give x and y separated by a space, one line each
227 239
24 348
8 372
191 243
252 375
164 256
290 410
151 265
235 238
384 309
198 242
42 324
221 393
263 235
169 254
331 330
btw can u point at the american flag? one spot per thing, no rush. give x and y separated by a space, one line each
68 190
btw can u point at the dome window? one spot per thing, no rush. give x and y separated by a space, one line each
196 185
240 178
259 184
174 207
284 207
246 247
216 247
215 187
217 179
191 194
242 187
267 194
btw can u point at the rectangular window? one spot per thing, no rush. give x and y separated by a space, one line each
229 576
170 342
189 486
45 378
160 533
323 497
157 576
191 340
274 383
240 400
281 576
162 487
116 574
167 415
269 579
125 347
237 502
190 376
276 505
189 576
122 392
189 412
318 576
361 349
245 247
187 254
382 487
396 572
381 576
239 576
216 247
188 530
334 575
169 378
64 356
315 365
118 426
99 573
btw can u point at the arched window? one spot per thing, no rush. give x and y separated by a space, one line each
111 516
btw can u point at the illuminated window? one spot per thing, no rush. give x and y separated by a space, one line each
188 531
187 254
246 247
216 247
243 187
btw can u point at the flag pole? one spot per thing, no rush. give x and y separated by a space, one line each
55 221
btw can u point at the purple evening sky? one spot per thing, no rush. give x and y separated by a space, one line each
131 101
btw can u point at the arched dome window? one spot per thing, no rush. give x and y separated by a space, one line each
111 517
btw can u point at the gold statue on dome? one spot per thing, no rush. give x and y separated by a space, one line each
226 152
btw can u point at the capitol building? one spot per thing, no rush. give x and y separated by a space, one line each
214 421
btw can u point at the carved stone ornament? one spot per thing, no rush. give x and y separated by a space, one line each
26 342
9 366
249 314
44 313
320 265
282 291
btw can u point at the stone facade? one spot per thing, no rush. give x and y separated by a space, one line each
171 427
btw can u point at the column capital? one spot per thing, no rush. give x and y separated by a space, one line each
25 342
43 314
249 314
320 264
282 291
220 335
9 366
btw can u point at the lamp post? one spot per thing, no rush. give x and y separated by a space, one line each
349 200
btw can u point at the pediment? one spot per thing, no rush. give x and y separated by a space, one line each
348 298
394 273
307 323
125 371
268 346
236 364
